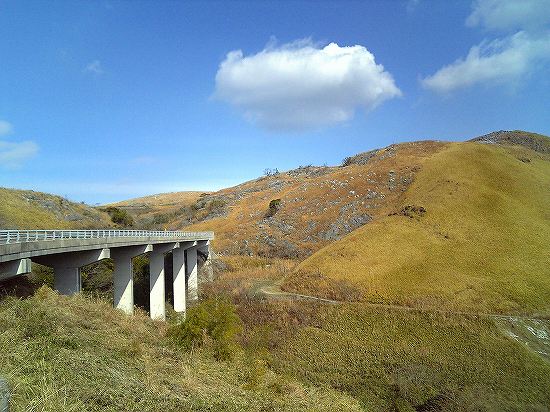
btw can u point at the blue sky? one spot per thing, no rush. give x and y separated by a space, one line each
105 100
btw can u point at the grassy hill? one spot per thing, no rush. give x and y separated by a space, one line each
27 209
310 206
471 233
158 210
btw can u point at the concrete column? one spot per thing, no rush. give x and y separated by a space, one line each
156 281
192 274
14 268
66 267
67 280
178 255
123 275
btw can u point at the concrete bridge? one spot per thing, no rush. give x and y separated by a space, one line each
67 251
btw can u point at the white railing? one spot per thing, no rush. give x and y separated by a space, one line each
20 236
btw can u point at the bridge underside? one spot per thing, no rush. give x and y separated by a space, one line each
67 264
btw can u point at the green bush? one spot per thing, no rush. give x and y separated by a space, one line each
119 217
274 207
213 321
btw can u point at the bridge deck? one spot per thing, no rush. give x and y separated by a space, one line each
21 244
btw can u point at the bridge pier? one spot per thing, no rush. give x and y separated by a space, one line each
192 274
67 266
178 259
123 275
15 268
157 299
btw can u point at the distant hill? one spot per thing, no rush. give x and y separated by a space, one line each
156 211
27 209
294 213
472 232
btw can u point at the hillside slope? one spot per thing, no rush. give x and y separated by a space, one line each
158 210
27 209
310 206
472 233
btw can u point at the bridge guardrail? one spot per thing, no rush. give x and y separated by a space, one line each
20 236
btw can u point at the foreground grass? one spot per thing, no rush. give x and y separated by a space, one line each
482 244
402 360
74 354
397 359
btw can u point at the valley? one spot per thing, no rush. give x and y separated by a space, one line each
409 278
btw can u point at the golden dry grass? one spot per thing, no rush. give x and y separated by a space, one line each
482 244
22 209
311 203
161 200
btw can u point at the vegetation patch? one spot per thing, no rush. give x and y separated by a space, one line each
213 320
273 208
316 284
77 354
412 212
119 217
403 360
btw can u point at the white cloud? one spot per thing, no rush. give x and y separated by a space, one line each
5 128
507 59
300 86
509 14
94 68
496 61
13 155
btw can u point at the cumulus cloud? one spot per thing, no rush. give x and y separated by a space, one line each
13 155
510 58
509 14
496 61
94 67
300 86
5 128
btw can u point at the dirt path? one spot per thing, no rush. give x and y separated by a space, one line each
272 290
531 332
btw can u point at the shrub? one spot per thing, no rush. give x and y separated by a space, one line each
412 211
347 161
214 320
274 207
271 172
216 204
141 281
42 275
119 217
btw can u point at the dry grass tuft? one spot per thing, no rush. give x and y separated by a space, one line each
481 244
